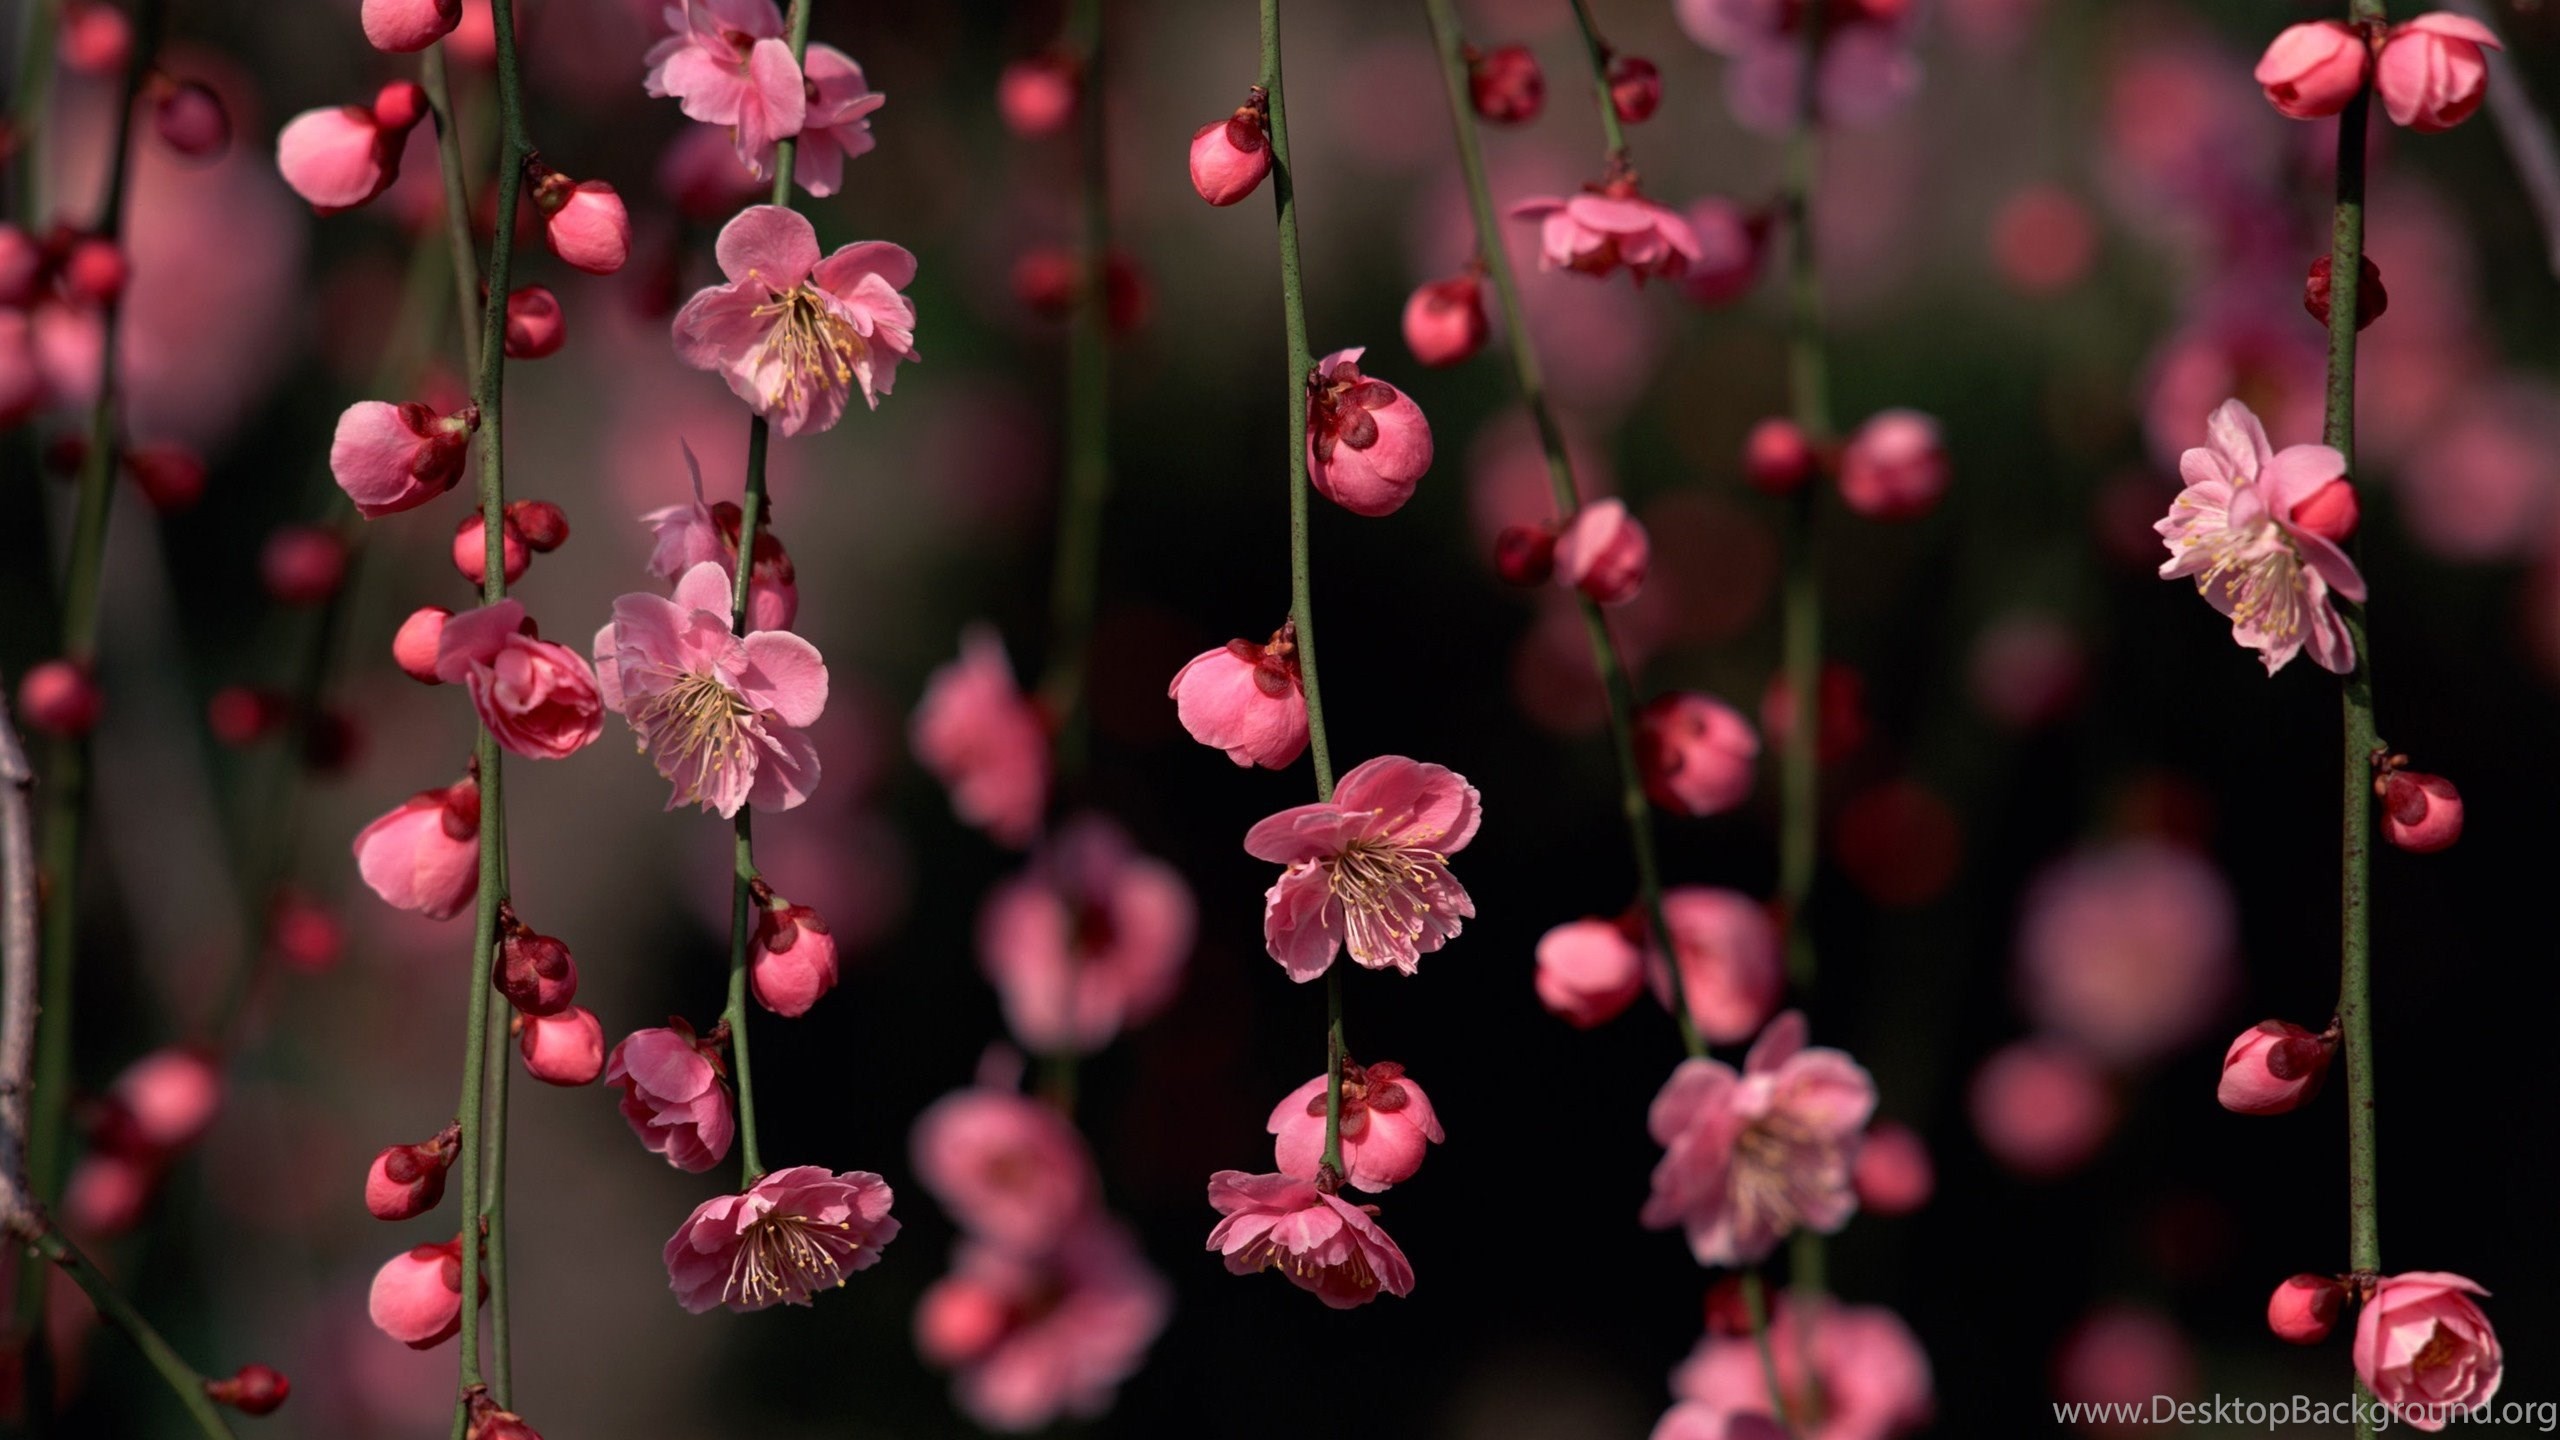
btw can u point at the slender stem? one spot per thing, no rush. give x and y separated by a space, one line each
493 1211
1809 386
1598 50
27 107
751 508
1075 574
1755 1303
1616 676
182 1378
457 198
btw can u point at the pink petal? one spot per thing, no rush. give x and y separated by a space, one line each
786 675
772 245
473 637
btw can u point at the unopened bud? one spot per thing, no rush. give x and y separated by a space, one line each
95 271
190 119
544 526
171 477
243 715
1777 457
407 1181
1524 554
58 698
2274 1067
1635 88
2421 813
2305 1309
471 550
2329 512
255 1390
303 565
535 972
1506 85
535 325
414 646
2371 298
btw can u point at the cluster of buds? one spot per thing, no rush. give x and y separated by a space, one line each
2429 71
562 1043
1602 552
526 528
1893 467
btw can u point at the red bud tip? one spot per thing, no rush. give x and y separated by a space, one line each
2371 298
190 119
1506 85
1776 456
1524 554
256 1390
544 526
1635 88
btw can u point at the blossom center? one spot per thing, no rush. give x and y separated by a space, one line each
1777 1165
782 1257
1385 895
698 727
2442 1350
809 346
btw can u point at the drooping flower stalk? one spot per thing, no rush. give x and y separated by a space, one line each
1809 397
1616 679
33 95
744 873
1597 50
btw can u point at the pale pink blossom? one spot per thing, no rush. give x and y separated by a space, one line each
401 26
417 1295
1324 1244
340 156
721 715
683 536
987 742
1729 962
1387 1123
2232 527
537 697
727 64
1369 869
565 1049
1034 1339
390 458
1009 1168
793 963
838 125
673 1096
2431 74
1088 941
1601 230
792 332
2041 1108
1367 442
425 854
1589 971
2130 950
793 1233
1858 1374
1247 700
1698 755
1749 1158
2425 1350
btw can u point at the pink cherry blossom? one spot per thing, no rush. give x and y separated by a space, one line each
838 124
1009 1168
1247 700
683 536
2431 74
2311 70
1369 869
417 1295
1698 754
1367 442
401 26
538 698
727 64
2421 813
1748 1158
2124 1354
565 1049
339 157
390 458
1324 1244
1589 971
2424 1348
673 1096
2130 950
2232 527
425 854
793 332
1858 1374
2041 1108
1603 229
1387 1122
985 741
1729 962
1033 1339
793 1233
721 715
1088 941
793 964
109 1194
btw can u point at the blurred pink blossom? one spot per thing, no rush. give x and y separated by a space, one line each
1087 942
2129 949
1010 1169
1033 1339
1869 1379
985 741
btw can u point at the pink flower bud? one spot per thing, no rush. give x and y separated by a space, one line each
390 458
1588 972
2431 73
22 267
1387 1125
2329 512
401 26
1894 467
1045 280
1604 553
535 972
417 1295
672 1095
242 715
794 961
399 106
1697 753
1506 85
1036 95
1246 700
563 1049
471 549
94 270
425 855
254 1390
1525 554
2421 813
1776 456
1893 1174
535 326
306 935
167 1099
1635 88
1229 157
340 157
2274 1067
584 222
2304 1309
95 39
959 1320
1368 444
190 119
171 477
545 526
57 698
1444 321
108 1193
2311 71
406 1181
2371 298
414 646
2422 1343
303 565
489 1421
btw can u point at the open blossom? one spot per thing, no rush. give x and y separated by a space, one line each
1009 1168
838 124
727 64
1749 1158
1386 1123
793 1233
425 855
1091 939
1324 1244
683 536
1247 700
721 715
2129 949
1031 1339
673 1096
1369 869
793 332
987 743
1729 964
2431 73
1599 231
1869 1379
2234 528
2425 1349
390 458
1367 442
341 156
538 698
